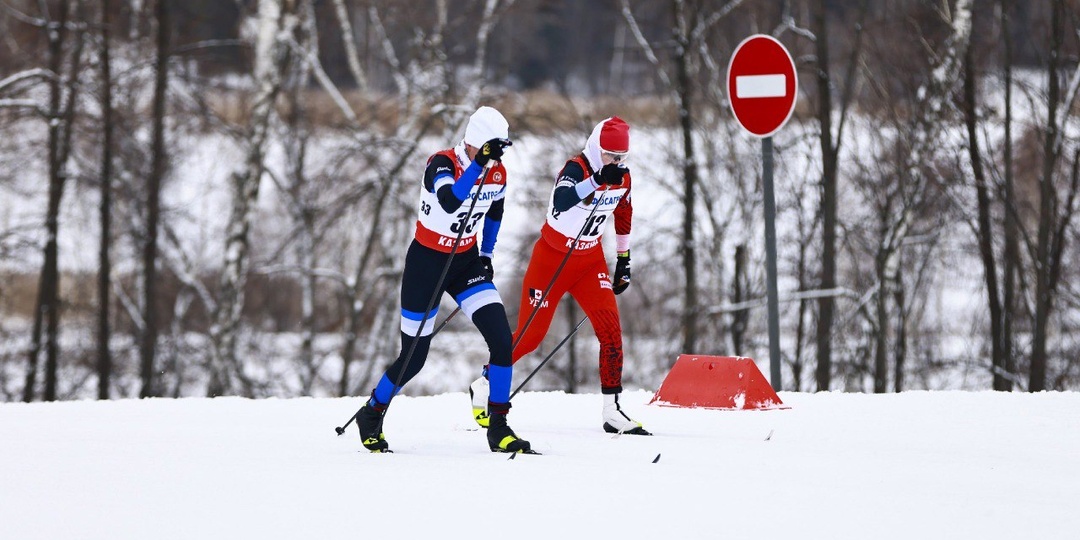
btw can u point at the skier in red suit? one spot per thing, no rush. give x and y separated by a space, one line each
592 189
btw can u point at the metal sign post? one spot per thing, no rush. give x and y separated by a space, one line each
762 89
770 261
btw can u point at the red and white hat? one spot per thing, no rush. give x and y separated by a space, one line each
614 136
610 135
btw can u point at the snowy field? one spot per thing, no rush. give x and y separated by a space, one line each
916 465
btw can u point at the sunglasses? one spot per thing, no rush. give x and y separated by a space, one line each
615 157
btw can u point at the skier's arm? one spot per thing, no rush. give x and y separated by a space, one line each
624 215
492 223
439 179
572 187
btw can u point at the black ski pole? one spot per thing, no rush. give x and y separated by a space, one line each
446 320
341 430
552 353
431 303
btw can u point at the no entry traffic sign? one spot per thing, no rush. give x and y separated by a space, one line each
762 85
762 88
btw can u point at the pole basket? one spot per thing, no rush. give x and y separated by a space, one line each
716 382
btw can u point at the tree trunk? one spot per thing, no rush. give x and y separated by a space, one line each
881 337
104 359
276 23
148 343
305 254
47 311
690 173
353 300
985 231
351 50
1047 210
828 198
300 191
68 127
1012 235
740 317
307 302
900 349
800 326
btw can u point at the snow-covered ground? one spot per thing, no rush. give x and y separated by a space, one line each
916 465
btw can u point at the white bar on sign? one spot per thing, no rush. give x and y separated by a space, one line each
760 86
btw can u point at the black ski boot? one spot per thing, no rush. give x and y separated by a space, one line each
370 419
501 438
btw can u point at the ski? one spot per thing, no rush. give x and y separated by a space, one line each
636 431
528 452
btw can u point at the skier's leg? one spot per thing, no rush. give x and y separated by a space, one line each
597 300
420 277
542 266
423 267
480 300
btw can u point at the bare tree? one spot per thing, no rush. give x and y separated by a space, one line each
104 359
684 106
277 21
61 113
690 28
905 201
148 341
422 88
1053 223
992 192
984 229
297 185
829 150
1011 255
352 52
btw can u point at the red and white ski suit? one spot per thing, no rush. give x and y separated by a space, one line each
585 274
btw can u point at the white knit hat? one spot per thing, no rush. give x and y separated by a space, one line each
486 124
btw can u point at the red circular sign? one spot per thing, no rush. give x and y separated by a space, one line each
762 85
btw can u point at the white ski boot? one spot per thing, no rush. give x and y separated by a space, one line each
479 391
616 421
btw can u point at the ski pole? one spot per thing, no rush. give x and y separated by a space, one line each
341 430
552 353
446 320
431 303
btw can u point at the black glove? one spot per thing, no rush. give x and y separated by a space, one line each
622 273
489 270
611 174
491 151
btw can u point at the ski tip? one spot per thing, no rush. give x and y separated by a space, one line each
656 459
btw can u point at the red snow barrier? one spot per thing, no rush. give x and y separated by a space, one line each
716 382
